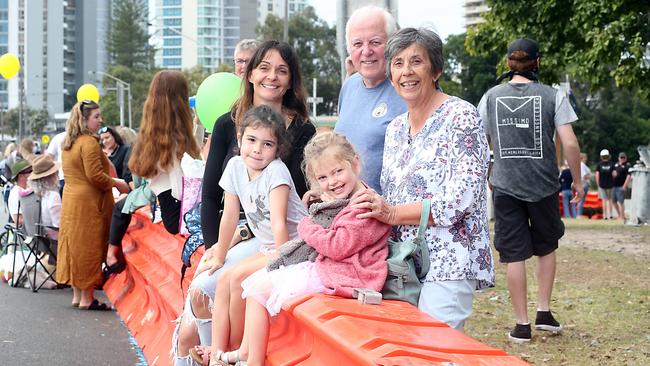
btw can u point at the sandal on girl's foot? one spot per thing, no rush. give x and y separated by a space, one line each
218 359
96 305
75 304
231 358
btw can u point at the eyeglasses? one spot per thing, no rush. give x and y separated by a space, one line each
104 129
241 61
86 103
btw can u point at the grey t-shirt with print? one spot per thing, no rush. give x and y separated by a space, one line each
254 198
520 120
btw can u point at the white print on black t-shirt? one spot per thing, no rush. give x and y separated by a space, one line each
519 127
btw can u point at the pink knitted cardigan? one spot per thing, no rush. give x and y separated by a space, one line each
351 252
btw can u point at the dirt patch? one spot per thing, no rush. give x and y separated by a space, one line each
610 236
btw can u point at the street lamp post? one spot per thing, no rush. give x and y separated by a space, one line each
121 85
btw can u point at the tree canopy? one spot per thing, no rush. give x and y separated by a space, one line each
128 41
466 76
598 40
131 60
34 122
315 43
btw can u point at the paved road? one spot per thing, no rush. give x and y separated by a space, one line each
43 329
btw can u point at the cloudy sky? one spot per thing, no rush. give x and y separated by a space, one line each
445 16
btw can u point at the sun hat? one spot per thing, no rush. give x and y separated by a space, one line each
526 45
604 152
43 166
19 167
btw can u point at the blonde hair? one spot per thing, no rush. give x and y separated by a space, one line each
335 145
26 148
76 124
129 136
9 149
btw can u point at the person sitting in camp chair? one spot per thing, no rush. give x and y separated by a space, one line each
45 183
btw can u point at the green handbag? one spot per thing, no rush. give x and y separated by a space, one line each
408 264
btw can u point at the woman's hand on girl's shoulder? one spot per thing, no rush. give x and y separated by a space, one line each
370 201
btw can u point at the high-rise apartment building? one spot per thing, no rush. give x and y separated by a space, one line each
36 37
200 32
473 11
58 42
276 7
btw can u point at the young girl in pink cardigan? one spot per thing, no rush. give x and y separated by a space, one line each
351 252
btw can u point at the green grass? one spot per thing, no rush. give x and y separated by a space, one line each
602 298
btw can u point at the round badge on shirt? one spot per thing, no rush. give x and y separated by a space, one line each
380 110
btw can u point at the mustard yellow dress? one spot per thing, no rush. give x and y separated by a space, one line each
87 204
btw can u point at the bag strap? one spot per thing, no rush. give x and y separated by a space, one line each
424 218
423 247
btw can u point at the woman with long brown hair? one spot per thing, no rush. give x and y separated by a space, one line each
165 135
86 210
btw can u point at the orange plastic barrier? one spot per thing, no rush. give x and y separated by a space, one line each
326 330
593 207
312 330
147 295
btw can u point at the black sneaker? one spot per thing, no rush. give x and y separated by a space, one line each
546 321
520 333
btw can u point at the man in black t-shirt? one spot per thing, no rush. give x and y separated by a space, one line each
621 182
605 182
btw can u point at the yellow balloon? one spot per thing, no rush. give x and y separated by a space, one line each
9 65
88 92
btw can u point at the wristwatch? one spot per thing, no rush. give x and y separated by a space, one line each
244 232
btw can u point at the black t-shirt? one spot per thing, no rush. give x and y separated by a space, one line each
605 169
120 159
622 171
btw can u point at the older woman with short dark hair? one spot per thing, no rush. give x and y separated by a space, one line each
437 151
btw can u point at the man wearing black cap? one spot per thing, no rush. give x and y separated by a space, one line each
621 182
521 118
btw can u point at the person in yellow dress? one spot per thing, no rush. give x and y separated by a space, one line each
87 204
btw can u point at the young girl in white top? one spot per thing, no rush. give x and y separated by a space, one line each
351 252
261 182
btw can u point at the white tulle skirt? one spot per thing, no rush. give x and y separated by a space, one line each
272 289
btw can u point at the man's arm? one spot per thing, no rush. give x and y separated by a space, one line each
572 155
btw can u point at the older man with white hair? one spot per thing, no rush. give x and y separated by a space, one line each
367 101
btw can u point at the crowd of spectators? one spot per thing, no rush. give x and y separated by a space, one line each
405 141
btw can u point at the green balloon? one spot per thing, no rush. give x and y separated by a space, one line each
215 96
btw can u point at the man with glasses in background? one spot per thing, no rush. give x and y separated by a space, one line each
243 52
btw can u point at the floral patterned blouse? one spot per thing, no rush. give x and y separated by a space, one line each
447 162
